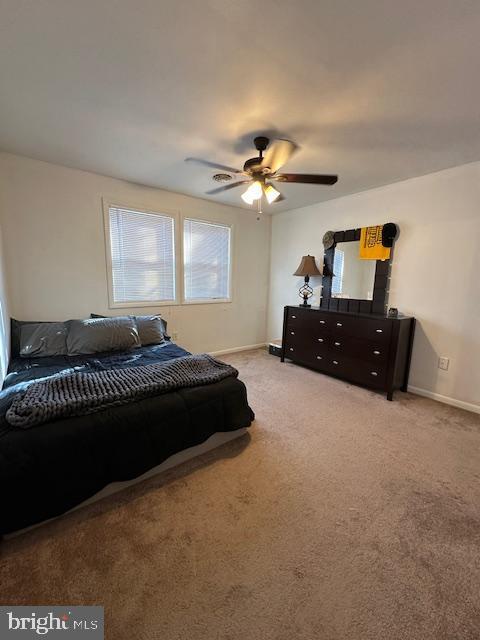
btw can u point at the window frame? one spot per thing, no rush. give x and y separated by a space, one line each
109 203
230 266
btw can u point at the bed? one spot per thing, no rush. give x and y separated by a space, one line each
53 467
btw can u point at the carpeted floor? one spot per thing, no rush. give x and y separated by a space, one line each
341 516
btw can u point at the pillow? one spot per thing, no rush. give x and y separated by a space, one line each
101 334
151 329
15 331
41 339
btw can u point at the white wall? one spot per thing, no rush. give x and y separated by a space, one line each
435 275
52 223
4 316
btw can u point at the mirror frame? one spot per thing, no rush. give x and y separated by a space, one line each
376 306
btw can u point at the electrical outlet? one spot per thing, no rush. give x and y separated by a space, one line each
174 336
443 363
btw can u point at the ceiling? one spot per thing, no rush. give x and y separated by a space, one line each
376 91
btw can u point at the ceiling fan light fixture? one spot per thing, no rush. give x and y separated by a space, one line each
254 192
246 198
271 193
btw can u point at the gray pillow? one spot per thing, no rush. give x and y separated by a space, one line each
15 331
41 339
150 329
96 335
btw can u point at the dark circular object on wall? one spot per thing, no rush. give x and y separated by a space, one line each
328 240
389 233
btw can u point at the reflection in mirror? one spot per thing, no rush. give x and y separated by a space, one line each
354 278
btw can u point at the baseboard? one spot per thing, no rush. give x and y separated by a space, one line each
461 404
247 347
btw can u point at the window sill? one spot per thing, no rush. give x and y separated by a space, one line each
149 303
171 303
208 301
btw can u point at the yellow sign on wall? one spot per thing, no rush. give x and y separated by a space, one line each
371 247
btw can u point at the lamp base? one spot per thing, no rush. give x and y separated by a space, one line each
305 305
305 292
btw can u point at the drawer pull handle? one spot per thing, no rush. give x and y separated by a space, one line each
320 339
377 353
339 324
294 317
334 362
374 373
319 357
337 344
322 321
292 333
291 348
379 330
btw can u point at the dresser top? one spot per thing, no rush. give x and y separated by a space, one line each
349 313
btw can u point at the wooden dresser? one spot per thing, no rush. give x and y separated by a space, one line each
373 351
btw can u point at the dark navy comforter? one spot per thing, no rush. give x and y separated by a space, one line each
27 369
48 469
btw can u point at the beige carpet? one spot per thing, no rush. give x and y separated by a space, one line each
341 516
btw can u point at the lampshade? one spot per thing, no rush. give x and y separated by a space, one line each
307 267
254 192
271 193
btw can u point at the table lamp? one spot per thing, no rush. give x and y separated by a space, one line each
306 269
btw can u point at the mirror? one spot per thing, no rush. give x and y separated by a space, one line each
354 278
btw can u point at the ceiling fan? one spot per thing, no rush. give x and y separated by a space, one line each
260 171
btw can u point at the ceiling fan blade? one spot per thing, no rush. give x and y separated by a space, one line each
278 153
226 187
213 165
305 178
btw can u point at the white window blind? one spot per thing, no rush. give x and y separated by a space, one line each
206 257
337 280
142 255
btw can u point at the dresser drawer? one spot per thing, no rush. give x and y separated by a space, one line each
307 320
373 351
365 328
297 314
316 358
320 321
358 370
311 336
305 344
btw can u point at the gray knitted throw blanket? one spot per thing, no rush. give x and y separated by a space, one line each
76 394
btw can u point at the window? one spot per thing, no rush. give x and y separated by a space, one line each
206 261
337 280
142 254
